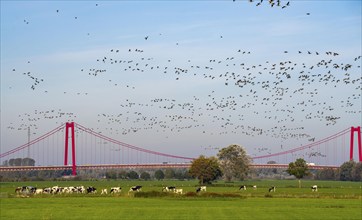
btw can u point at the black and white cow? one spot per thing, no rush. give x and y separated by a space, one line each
314 188
47 190
91 189
272 189
55 190
115 190
69 189
28 189
135 188
169 188
201 188
104 191
18 190
31 189
178 191
25 189
243 187
38 191
81 189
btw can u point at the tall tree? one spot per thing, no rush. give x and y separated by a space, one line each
345 171
205 169
111 174
12 162
18 161
6 163
169 173
133 175
299 169
28 162
159 175
357 172
234 162
326 174
145 176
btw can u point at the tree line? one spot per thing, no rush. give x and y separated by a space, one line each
232 163
115 174
348 171
19 162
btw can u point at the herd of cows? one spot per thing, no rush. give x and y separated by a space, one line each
70 190
113 190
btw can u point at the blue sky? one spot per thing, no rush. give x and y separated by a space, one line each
180 90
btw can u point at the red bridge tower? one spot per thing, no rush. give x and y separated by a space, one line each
358 130
68 126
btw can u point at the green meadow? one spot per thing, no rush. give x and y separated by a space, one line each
334 200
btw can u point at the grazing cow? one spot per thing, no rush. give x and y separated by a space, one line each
91 189
32 189
104 191
115 190
254 187
201 188
67 190
22 189
38 191
178 191
18 190
168 188
61 190
314 188
243 187
80 189
135 188
25 189
70 189
272 189
55 190
47 190
74 189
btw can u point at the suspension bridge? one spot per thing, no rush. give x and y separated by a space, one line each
94 150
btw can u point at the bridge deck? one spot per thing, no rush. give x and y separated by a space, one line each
144 166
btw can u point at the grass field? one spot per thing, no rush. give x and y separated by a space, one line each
334 200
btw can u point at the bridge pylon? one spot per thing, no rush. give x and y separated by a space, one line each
70 125
358 130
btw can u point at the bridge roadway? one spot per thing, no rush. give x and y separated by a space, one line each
143 166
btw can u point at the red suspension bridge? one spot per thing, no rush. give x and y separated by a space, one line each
97 151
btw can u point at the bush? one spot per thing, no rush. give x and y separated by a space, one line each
152 194
190 194
220 195
268 196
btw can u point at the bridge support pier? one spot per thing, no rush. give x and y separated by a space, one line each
358 130
70 126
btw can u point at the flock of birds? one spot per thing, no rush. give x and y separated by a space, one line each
263 90
30 120
265 84
282 92
272 3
